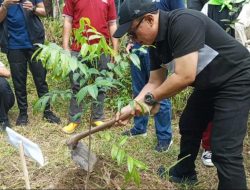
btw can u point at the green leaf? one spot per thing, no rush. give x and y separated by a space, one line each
107 136
82 94
135 60
83 68
136 177
130 163
73 64
114 151
140 165
76 76
123 140
84 49
93 91
102 83
128 177
111 66
120 156
53 99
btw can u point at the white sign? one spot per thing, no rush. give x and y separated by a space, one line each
31 149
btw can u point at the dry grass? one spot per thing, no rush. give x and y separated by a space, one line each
61 173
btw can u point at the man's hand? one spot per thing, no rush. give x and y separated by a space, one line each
139 109
7 3
129 47
28 5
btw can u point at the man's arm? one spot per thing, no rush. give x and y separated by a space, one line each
112 29
67 28
184 75
157 77
4 8
37 9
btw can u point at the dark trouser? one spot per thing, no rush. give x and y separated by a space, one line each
196 4
7 99
98 105
228 109
19 60
224 17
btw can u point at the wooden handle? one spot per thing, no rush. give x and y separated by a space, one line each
72 141
25 170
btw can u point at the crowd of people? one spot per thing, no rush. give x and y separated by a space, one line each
190 49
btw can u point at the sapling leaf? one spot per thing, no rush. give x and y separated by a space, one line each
114 151
123 140
130 163
93 91
135 60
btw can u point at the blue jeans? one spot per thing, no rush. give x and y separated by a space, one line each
163 118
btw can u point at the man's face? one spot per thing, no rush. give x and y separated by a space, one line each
144 30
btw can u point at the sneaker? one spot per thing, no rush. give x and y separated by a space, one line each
51 117
131 133
163 146
97 123
22 120
3 125
206 158
70 128
173 177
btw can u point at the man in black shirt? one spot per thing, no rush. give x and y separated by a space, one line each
201 54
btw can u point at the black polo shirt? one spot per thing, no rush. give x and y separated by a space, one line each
184 31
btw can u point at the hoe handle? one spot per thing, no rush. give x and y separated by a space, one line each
72 141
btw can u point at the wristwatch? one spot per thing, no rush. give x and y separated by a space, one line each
149 99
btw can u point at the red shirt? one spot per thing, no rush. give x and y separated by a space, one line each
100 13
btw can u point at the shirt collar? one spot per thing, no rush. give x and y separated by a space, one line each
163 22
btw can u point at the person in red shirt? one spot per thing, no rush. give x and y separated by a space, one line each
102 14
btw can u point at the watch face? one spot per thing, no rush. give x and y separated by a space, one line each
149 99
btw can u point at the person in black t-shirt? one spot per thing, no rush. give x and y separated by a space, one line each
201 54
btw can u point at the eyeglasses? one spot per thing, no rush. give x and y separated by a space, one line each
132 33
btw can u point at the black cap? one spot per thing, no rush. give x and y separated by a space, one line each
131 10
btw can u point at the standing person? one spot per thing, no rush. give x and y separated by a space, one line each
196 4
210 60
221 12
20 29
102 14
139 80
7 99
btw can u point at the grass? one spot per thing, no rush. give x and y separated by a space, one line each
61 173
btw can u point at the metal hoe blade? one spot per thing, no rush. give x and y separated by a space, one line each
80 153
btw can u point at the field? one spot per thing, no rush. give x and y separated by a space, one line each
60 172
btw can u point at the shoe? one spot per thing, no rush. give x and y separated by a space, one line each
189 179
97 123
132 133
206 158
3 125
51 117
70 128
163 146
22 120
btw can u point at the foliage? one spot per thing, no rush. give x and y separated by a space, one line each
84 70
119 154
